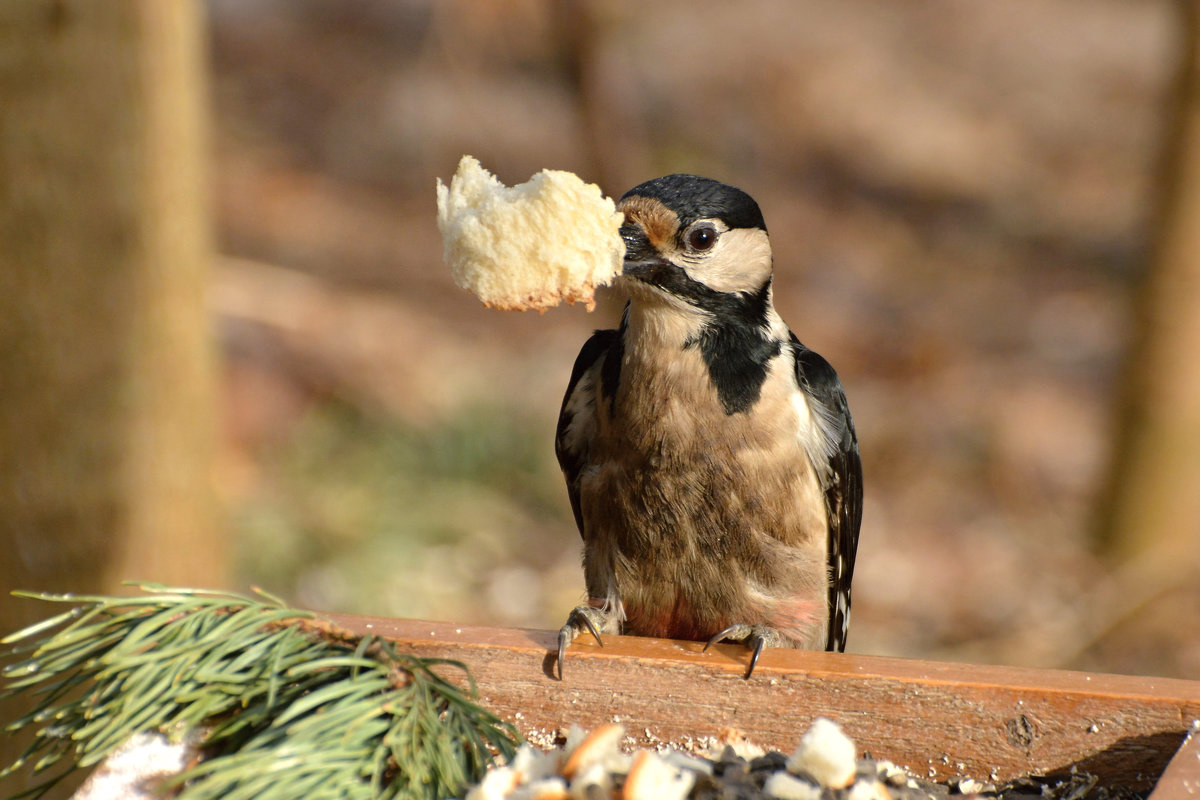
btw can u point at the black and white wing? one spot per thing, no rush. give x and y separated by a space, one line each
841 480
577 419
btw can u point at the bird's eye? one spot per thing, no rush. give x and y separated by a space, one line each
702 238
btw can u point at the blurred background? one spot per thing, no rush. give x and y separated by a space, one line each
232 354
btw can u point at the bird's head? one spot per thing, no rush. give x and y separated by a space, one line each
694 241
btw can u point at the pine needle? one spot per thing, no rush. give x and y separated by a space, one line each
282 704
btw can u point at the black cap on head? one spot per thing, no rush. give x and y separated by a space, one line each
693 197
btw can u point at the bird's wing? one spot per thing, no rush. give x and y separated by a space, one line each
577 419
841 480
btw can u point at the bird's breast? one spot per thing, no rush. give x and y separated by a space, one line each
679 493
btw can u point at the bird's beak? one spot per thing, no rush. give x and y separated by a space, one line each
640 256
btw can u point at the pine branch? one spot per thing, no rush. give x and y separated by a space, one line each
283 704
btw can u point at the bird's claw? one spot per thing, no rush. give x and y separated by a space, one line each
582 618
754 636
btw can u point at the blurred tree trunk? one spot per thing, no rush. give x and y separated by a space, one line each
106 412
613 142
1153 504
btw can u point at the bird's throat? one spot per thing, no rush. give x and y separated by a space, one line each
735 350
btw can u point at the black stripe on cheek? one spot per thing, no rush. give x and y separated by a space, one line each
750 309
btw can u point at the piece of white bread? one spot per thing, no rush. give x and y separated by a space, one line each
825 753
533 245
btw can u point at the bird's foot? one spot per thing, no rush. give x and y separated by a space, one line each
594 620
754 636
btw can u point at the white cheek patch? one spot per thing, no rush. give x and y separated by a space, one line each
740 262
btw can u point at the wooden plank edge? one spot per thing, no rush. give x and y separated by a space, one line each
1181 779
938 719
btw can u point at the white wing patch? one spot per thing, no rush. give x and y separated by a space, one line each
581 423
815 429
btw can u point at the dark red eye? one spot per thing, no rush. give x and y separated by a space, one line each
702 238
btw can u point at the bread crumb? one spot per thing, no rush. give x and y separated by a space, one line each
651 778
787 787
551 239
595 747
825 753
742 746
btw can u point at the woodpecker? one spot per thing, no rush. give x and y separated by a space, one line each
710 458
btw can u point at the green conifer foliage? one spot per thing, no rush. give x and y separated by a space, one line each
281 703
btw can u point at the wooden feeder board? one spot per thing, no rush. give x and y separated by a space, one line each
937 719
